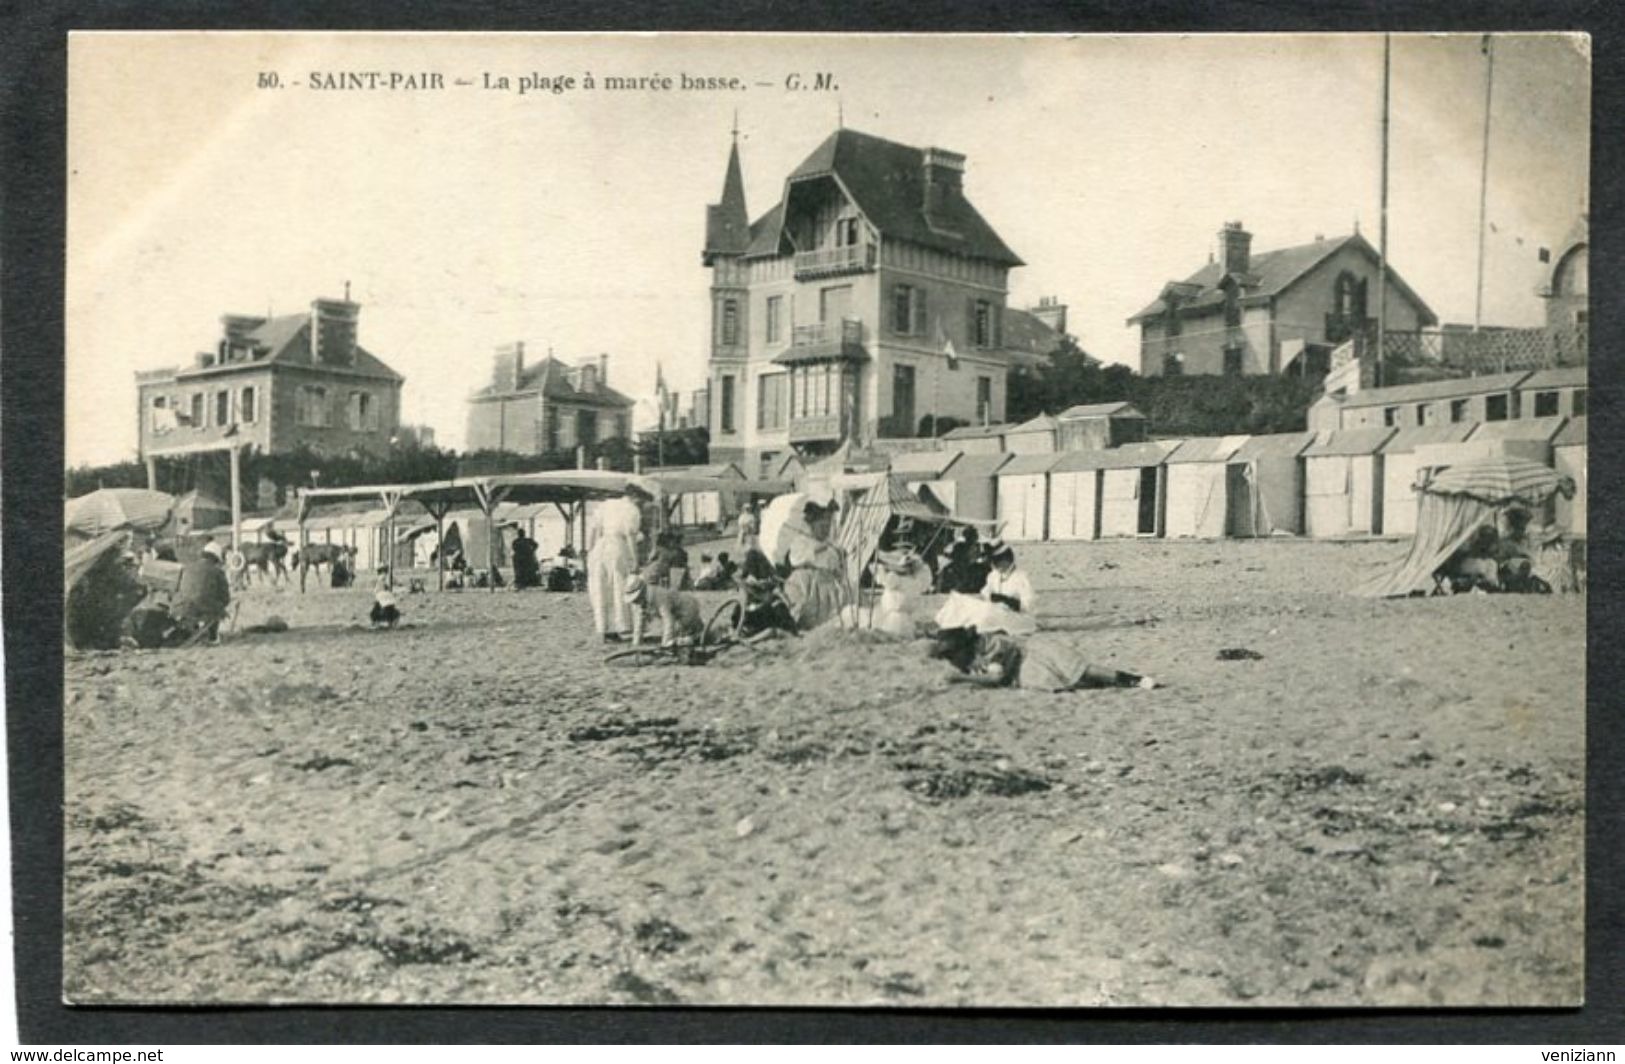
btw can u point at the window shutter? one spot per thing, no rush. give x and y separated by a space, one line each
970 322
919 311
998 325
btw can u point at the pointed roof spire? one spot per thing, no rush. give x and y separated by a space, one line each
727 225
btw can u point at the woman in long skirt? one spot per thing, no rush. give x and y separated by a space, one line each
612 557
816 588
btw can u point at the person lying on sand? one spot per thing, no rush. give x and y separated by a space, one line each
679 612
1040 663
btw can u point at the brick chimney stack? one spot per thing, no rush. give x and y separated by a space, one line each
333 331
1052 312
1235 247
944 178
509 366
603 370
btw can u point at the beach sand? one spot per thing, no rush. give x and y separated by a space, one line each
1385 808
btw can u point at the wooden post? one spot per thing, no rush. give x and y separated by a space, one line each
304 542
236 498
152 473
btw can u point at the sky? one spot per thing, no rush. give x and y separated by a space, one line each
469 217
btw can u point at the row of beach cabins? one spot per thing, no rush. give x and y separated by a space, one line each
1335 483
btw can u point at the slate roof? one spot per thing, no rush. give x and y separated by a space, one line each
1530 428
285 341
1128 456
1557 377
1026 332
922 465
1028 464
968 432
1573 433
976 466
1201 449
1409 439
886 180
1283 444
551 378
1453 388
1349 443
1100 410
1269 273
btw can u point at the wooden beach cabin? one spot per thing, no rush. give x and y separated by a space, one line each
1133 487
970 486
1265 485
1342 478
1023 496
1198 476
1400 469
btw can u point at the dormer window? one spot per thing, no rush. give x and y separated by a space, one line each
846 232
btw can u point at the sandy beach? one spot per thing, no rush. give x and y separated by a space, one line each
1385 807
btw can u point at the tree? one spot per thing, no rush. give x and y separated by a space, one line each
676 447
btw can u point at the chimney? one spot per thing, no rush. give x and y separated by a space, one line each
1235 245
586 376
332 331
603 370
509 366
238 326
1052 312
944 178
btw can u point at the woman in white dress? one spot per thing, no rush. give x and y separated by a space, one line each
816 588
612 557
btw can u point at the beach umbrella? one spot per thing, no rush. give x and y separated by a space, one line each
784 519
113 509
1500 481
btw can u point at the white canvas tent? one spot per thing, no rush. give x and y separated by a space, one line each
1342 473
1266 485
1400 470
1569 454
696 508
1023 497
1198 491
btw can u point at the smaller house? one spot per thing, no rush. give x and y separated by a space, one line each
1243 313
1096 425
547 406
1342 482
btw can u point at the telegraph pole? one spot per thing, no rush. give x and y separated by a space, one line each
1382 230
1488 49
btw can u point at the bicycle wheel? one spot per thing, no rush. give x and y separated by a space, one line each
637 657
723 627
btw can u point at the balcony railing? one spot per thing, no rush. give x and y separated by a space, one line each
816 427
827 339
825 262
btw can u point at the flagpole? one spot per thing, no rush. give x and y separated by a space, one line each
660 432
1488 48
1382 231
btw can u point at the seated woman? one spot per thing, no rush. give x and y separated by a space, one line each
965 570
1006 585
1041 663
816 588
1516 552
